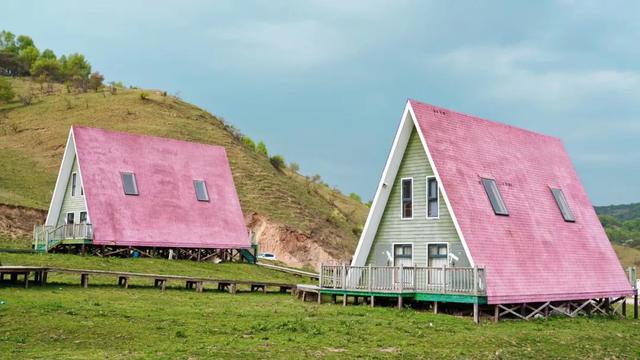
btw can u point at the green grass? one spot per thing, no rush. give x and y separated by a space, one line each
62 320
65 321
32 139
230 271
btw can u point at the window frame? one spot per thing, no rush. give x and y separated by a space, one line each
437 243
74 183
499 198
432 177
393 252
206 190
567 214
402 180
86 217
66 218
135 183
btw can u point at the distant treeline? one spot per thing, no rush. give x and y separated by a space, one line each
622 223
19 56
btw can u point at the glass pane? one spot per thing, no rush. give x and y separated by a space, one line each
561 201
201 190
494 197
70 218
406 189
73 184
407 201
433 208
83 217
129 184
442 249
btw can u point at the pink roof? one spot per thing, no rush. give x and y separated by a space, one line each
532 254
166 213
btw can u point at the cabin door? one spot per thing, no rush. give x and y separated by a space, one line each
438 257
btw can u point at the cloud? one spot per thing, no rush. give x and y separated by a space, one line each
298 45
528 73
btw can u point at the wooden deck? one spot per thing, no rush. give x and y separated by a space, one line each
160 280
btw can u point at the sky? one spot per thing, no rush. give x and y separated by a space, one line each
324 83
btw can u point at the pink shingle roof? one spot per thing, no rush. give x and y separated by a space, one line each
532 254
166 213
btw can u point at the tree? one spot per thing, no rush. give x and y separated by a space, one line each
23 42
8 42
278 162
47 68
95 81
6 90
249 143
294 167
28 56
48 54
262 149
11 65
355 197
75 66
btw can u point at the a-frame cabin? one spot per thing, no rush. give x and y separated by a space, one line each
127 194
474 211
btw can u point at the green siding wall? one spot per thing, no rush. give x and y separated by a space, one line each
72 203
419 231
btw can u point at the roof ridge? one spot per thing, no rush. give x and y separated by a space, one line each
493 122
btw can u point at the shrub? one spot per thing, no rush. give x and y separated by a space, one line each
278 162
249 143
336 217
262 149
95 81
294 167
357 230
355 197
144 95
6 90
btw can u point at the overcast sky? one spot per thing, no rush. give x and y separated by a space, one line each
324 82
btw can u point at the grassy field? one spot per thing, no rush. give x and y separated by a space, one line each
62 320
32 139
65 321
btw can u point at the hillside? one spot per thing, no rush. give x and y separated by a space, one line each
303 221
622 223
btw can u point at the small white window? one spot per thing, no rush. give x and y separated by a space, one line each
129 183
70 219
83 217
407 198
74 183
432 198
201 190
402 254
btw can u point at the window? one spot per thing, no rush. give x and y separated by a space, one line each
494 197
74 183
201 190
402 254
437 251
129 183
432 197
70 218
83 217
407 198
563 205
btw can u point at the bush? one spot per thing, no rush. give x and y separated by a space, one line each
357 230
249 143
6 90
262 149
144 95
95 81
336 217
278 162
294 167
355 197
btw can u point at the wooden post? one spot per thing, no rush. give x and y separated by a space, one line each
496 314
319 297
435 307
84 280
444 279
372 301
370 276
400 280
233 288
476 312
344 276
624 307
320 278
26 280
199 286
344 299
475 281
400 301
163 284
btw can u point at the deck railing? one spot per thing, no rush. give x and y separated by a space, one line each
46 237
439 280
